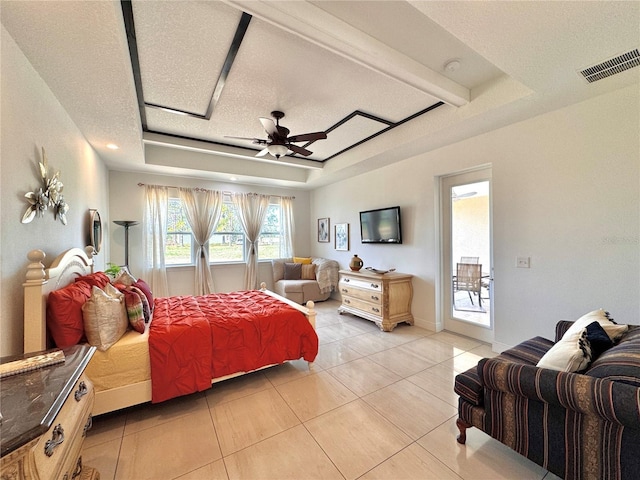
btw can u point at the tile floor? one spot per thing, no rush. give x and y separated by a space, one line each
375 405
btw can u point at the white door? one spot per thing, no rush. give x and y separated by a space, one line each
466 263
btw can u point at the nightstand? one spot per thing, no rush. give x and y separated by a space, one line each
45 416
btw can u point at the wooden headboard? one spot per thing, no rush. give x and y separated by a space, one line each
40 281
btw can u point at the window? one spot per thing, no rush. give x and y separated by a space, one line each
179 242
271 237
227 244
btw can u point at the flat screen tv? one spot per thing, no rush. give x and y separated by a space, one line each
381 225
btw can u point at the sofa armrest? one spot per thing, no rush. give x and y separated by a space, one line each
614 401
561 327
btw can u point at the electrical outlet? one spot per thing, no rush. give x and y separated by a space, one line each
523 262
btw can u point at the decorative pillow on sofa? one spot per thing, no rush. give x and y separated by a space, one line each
302 260
292 271
308 272
105 317
571 354
98 279
614 330
64 313
598 339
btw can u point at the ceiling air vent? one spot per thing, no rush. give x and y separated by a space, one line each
612 66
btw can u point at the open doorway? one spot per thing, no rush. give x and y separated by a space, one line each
467 264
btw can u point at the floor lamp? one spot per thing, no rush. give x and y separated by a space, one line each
126 224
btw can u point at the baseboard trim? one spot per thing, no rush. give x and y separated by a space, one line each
500 347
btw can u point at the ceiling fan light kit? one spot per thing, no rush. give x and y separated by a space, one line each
277 150
279 143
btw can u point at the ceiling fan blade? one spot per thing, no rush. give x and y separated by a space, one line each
308 137
269 126
300 150
262 152
254 140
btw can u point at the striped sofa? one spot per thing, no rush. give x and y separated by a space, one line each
576 425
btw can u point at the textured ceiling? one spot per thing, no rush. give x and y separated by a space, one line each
319 62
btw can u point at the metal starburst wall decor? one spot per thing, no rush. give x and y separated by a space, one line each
49 195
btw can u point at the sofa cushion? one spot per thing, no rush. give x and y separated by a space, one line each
308 272
302 260
292 271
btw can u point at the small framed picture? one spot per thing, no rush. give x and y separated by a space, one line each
323 230
341 236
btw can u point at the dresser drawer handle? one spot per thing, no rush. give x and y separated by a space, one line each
377 310
57 437
346 280
81 391
375 285
78 471
345 290
88 425
346 300
374 297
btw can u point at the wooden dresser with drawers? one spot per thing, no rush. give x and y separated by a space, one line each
382 298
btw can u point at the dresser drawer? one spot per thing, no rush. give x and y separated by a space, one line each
364 284
347 290
57 451
370 308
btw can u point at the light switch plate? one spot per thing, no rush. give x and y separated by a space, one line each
523 262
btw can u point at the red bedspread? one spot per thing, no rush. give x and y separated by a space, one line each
193 340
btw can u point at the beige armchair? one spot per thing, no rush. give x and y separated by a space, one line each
302 290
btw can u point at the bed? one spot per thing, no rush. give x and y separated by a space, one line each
122 375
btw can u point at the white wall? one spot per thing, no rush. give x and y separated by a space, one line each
32 118
565 192
127 203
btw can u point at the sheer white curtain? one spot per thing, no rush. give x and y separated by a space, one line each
288 227
155 230
252 208
202 209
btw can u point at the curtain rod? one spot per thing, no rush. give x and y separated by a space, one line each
200 189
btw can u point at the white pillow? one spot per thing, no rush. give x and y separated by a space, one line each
614 330
568 355
572 353
105 317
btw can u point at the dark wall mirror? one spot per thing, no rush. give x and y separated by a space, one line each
95 230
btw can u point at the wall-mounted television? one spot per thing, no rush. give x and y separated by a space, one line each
381 226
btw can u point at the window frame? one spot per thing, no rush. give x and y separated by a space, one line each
279 233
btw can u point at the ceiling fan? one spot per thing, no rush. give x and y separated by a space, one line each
279 143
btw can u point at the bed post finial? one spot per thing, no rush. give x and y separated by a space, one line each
263 286
312 313
90 251
35 269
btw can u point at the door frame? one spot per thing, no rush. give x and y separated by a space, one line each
478 174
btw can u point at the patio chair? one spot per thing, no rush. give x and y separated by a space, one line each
469 279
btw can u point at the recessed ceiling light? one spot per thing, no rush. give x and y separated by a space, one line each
112 146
